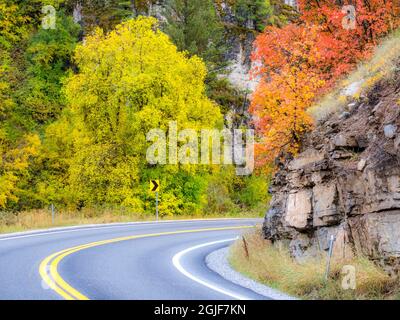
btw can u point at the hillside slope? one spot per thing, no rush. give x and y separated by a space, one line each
345 183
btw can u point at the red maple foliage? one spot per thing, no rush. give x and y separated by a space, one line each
301 61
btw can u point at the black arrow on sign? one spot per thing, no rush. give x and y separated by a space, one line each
155 184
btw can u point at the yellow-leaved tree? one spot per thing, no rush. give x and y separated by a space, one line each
16 148
130 81
14 162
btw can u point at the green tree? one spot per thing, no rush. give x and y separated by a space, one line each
194 26
16 148
48 58
32 63
13 29
257 12
130 81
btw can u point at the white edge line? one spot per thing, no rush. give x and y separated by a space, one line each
176 260
56 231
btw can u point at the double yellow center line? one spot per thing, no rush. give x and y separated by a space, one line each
49 266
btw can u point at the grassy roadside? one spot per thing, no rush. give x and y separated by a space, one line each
41 219
274 267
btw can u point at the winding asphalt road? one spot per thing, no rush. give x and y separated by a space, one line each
141 261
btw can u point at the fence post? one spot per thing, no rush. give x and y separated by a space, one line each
246 248
328 264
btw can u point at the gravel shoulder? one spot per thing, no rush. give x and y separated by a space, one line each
218 262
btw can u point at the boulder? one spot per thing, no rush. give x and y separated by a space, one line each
343 141
361 165
299 210
390 131
325 205
306 158
376 235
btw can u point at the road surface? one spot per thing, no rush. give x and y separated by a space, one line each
138 261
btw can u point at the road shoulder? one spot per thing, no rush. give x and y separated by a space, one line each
218 262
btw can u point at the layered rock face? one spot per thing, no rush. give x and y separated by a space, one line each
345 183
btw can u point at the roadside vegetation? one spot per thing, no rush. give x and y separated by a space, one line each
74 114
77 100
42 218
299 63
382 65
273 266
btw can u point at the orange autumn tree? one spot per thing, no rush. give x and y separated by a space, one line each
287 87
341 43
301 61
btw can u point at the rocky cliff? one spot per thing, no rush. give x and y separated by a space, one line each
345 183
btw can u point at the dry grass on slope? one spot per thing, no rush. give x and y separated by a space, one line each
274 267
383 65
41 219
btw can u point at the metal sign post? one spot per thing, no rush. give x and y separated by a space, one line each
328 264
52 214
157 205
155 187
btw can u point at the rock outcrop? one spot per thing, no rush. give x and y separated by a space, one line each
346 183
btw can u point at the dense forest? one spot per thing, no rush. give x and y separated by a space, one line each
80 88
